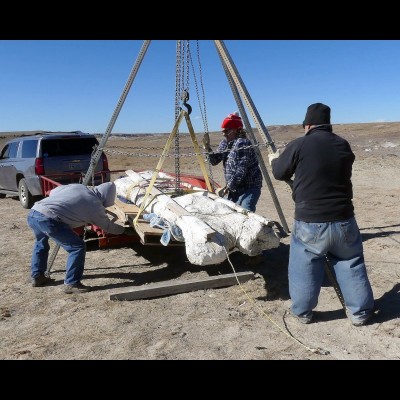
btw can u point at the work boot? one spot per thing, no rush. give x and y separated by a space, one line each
76 288
41 280
305 318
362 321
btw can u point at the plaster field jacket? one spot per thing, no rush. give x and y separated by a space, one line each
76 204
321 163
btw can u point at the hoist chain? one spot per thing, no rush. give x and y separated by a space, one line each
205 122
110 150
179 74
178 94
145 148
177 78
203 109
202 104
181 94
93 170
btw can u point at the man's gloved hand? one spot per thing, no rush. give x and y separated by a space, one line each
206 142
222 191
272 156
129 231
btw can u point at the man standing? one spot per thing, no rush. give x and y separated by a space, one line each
241 170
325 228
67 207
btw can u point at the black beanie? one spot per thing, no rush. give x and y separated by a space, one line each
317 114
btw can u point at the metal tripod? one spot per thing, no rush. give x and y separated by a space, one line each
237 87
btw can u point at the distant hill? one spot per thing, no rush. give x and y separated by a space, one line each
294 130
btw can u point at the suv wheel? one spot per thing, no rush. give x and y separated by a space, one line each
25 197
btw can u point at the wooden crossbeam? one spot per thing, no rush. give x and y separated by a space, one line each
150 236
174 287
123 211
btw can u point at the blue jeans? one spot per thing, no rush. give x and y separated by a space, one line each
44 228
247 199
339 242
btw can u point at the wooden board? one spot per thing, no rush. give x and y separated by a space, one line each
123 210
151 236
174 287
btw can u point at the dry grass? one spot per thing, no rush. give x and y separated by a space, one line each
228 323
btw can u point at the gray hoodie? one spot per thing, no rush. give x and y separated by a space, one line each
76 205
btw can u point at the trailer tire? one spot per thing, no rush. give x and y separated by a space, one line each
25 197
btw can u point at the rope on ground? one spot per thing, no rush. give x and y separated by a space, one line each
287 332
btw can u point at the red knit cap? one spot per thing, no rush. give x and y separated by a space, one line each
232 121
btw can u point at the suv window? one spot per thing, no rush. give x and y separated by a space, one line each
63 147
29 149
10 151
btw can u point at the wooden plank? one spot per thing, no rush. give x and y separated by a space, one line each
127 208
116 213
151 236
178 210
174 287
148 230
123 210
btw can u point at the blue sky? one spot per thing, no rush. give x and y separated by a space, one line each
65 85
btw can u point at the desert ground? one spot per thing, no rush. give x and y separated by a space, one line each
239 322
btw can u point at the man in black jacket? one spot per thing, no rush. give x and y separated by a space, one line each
324 227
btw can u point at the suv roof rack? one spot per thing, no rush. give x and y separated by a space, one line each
44 133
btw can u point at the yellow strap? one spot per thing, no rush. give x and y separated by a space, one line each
160 164
172 135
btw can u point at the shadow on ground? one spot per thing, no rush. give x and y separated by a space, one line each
169 263
388 306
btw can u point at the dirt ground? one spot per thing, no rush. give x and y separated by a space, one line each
247 322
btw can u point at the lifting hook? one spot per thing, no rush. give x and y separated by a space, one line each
185 98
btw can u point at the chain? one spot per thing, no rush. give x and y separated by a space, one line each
143 147
110 150
202 104
205 122
187 64
178 93
93 169
177 78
